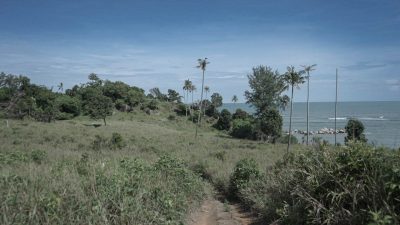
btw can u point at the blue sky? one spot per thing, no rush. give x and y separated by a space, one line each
156 43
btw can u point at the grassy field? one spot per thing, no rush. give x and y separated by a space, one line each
139 169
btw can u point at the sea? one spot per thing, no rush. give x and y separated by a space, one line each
381 119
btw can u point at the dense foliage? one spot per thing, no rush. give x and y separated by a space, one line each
356 184
355 131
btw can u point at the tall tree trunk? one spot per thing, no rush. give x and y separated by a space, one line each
201 105
290 122
186 101
104 119
308 104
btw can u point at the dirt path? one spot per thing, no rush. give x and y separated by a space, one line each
214 212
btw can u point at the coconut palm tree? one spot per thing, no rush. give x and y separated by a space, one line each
292 79
207 90
192 89
186 87
308 69
60 87
202 64
234 99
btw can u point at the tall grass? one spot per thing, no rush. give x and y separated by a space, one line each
355 184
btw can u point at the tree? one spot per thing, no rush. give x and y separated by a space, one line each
224 121
234 99
355 131
216 100
173 96
207 90
99 107
269 125
60 87
308 69
158 94
115 90
293 79
192 89
202 66
267 87
186 87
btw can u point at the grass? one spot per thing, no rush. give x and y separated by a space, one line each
70 172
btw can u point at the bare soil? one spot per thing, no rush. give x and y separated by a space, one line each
215 212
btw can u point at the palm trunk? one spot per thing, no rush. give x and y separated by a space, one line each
104 119
205 106
186 101
308 104
290 122
201 105
192 107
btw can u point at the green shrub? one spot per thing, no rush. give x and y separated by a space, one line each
355 131
99 143
224 121
244 170
117 141
242 128
240 114
355 184
285 139
38 156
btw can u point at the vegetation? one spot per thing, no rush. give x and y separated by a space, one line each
355 131
146 167
357 184
293 79
308 69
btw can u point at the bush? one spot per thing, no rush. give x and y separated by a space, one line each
240 114
99 143
224 121
117 141
181 109
242 128
285 139
68 105
269 125
38 156
244 170
212 111
355 184
354 130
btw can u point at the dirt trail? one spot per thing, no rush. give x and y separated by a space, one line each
214 212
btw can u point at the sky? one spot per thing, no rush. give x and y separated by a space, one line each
156 43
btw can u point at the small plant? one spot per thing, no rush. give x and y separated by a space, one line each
221 155
99 143
117 141
38 156
244 170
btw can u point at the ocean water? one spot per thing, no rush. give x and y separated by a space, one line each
381 119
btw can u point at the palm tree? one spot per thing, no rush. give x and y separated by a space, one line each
307 70
234 99
192 89
206 89
293 79
202 65
60 87
186 87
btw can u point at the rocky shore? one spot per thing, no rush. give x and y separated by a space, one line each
321 131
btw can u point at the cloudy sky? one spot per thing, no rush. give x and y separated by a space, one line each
156 43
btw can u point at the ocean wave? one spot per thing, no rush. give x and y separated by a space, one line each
381 118
338 118
373 119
